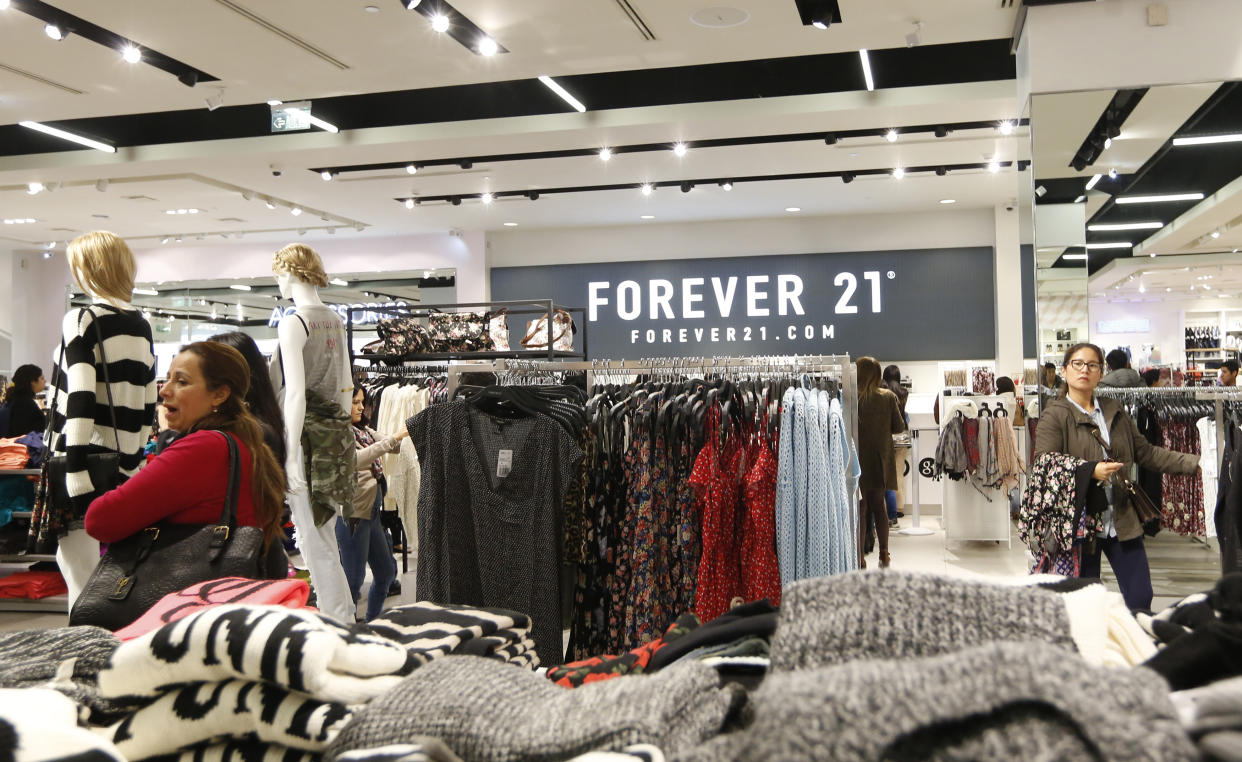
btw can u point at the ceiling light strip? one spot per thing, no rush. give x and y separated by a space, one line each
555 87
750 140
1126 226
866 67
1093 181
71 137
1207 140
1159 198
885 172
321 124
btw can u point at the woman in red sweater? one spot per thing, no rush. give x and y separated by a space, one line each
188 481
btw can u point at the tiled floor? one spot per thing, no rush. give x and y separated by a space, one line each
1179 566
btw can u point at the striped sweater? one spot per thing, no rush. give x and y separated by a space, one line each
81 422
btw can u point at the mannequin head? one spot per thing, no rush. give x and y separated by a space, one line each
103 266
298 262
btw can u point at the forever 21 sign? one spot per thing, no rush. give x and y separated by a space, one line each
904 305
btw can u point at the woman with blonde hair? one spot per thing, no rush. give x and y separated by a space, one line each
879 418
83 408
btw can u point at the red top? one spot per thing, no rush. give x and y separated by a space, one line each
185 484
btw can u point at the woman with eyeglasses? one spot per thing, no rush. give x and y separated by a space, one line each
1082 425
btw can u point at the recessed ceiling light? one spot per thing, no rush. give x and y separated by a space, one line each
1160 198
488 47
648 217
948 201
511 224
605 154
891 136
793 208
440 22
1208 140
131 54
1127 226
1168 289
679 149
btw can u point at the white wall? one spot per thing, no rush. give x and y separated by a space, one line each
1107 44
36 305
1166 323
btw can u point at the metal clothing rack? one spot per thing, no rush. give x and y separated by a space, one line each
1218 394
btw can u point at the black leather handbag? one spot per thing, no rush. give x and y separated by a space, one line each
139 570
1148 513
104 467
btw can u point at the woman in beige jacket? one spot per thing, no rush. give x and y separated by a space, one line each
1075 424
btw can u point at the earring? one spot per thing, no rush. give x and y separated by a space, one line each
215 410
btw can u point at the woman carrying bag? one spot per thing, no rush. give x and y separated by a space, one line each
1098 430
187 486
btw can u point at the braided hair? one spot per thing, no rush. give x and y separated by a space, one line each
302 262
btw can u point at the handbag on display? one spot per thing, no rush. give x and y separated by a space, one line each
461 332
1148 513
563 330
135 573
104 467
498 329
400 336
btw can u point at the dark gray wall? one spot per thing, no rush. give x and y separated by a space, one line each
1030 317
928 304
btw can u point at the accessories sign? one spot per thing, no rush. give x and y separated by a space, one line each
930 304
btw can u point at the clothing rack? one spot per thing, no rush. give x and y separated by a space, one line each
1218 394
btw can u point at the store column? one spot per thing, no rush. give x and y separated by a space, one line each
1008 285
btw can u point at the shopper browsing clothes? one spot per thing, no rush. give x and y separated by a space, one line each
1069 425
1229 373
362 538
1120 374
892 382
20 409
879 418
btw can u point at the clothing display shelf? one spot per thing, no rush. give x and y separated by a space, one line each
15 562
544 308
971 512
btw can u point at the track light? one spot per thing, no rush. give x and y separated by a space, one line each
164 239
215 101
296 211
411 169
727 185
1215 234
131 54
941 131
830 139
994 166
33 188
646 189
189 78
301 231
55 32
679 149
268 203
101 185
899 173
942 171
248 195
686 187
605 154
327 176
1006 127
1112 174
822 23
440 23
487 198
487 47
533 195
847 177
455 201
409 203
466 164
891 136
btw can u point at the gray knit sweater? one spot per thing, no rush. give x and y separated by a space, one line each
1004 701
67 659
484 710
897 615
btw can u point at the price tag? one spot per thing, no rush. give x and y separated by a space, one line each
504 463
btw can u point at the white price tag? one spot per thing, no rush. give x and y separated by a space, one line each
504 464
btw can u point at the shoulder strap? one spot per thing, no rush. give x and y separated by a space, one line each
305 327
223 530
103 360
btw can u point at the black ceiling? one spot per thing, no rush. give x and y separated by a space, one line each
1204 169
801 75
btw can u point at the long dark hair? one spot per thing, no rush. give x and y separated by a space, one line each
262 397
366 398
223 366
892 381
868 376
23 377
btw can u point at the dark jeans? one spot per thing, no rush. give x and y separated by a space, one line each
1129 562
367 545
890 500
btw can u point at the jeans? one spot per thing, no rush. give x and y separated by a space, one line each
1129 562
890 500
366 545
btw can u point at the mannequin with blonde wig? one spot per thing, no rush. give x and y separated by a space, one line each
81 423
312 369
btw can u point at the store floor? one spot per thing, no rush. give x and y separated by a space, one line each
1179 566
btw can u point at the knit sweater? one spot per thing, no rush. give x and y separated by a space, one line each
81 420
1024 700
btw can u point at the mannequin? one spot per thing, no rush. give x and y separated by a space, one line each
104 268
313 341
